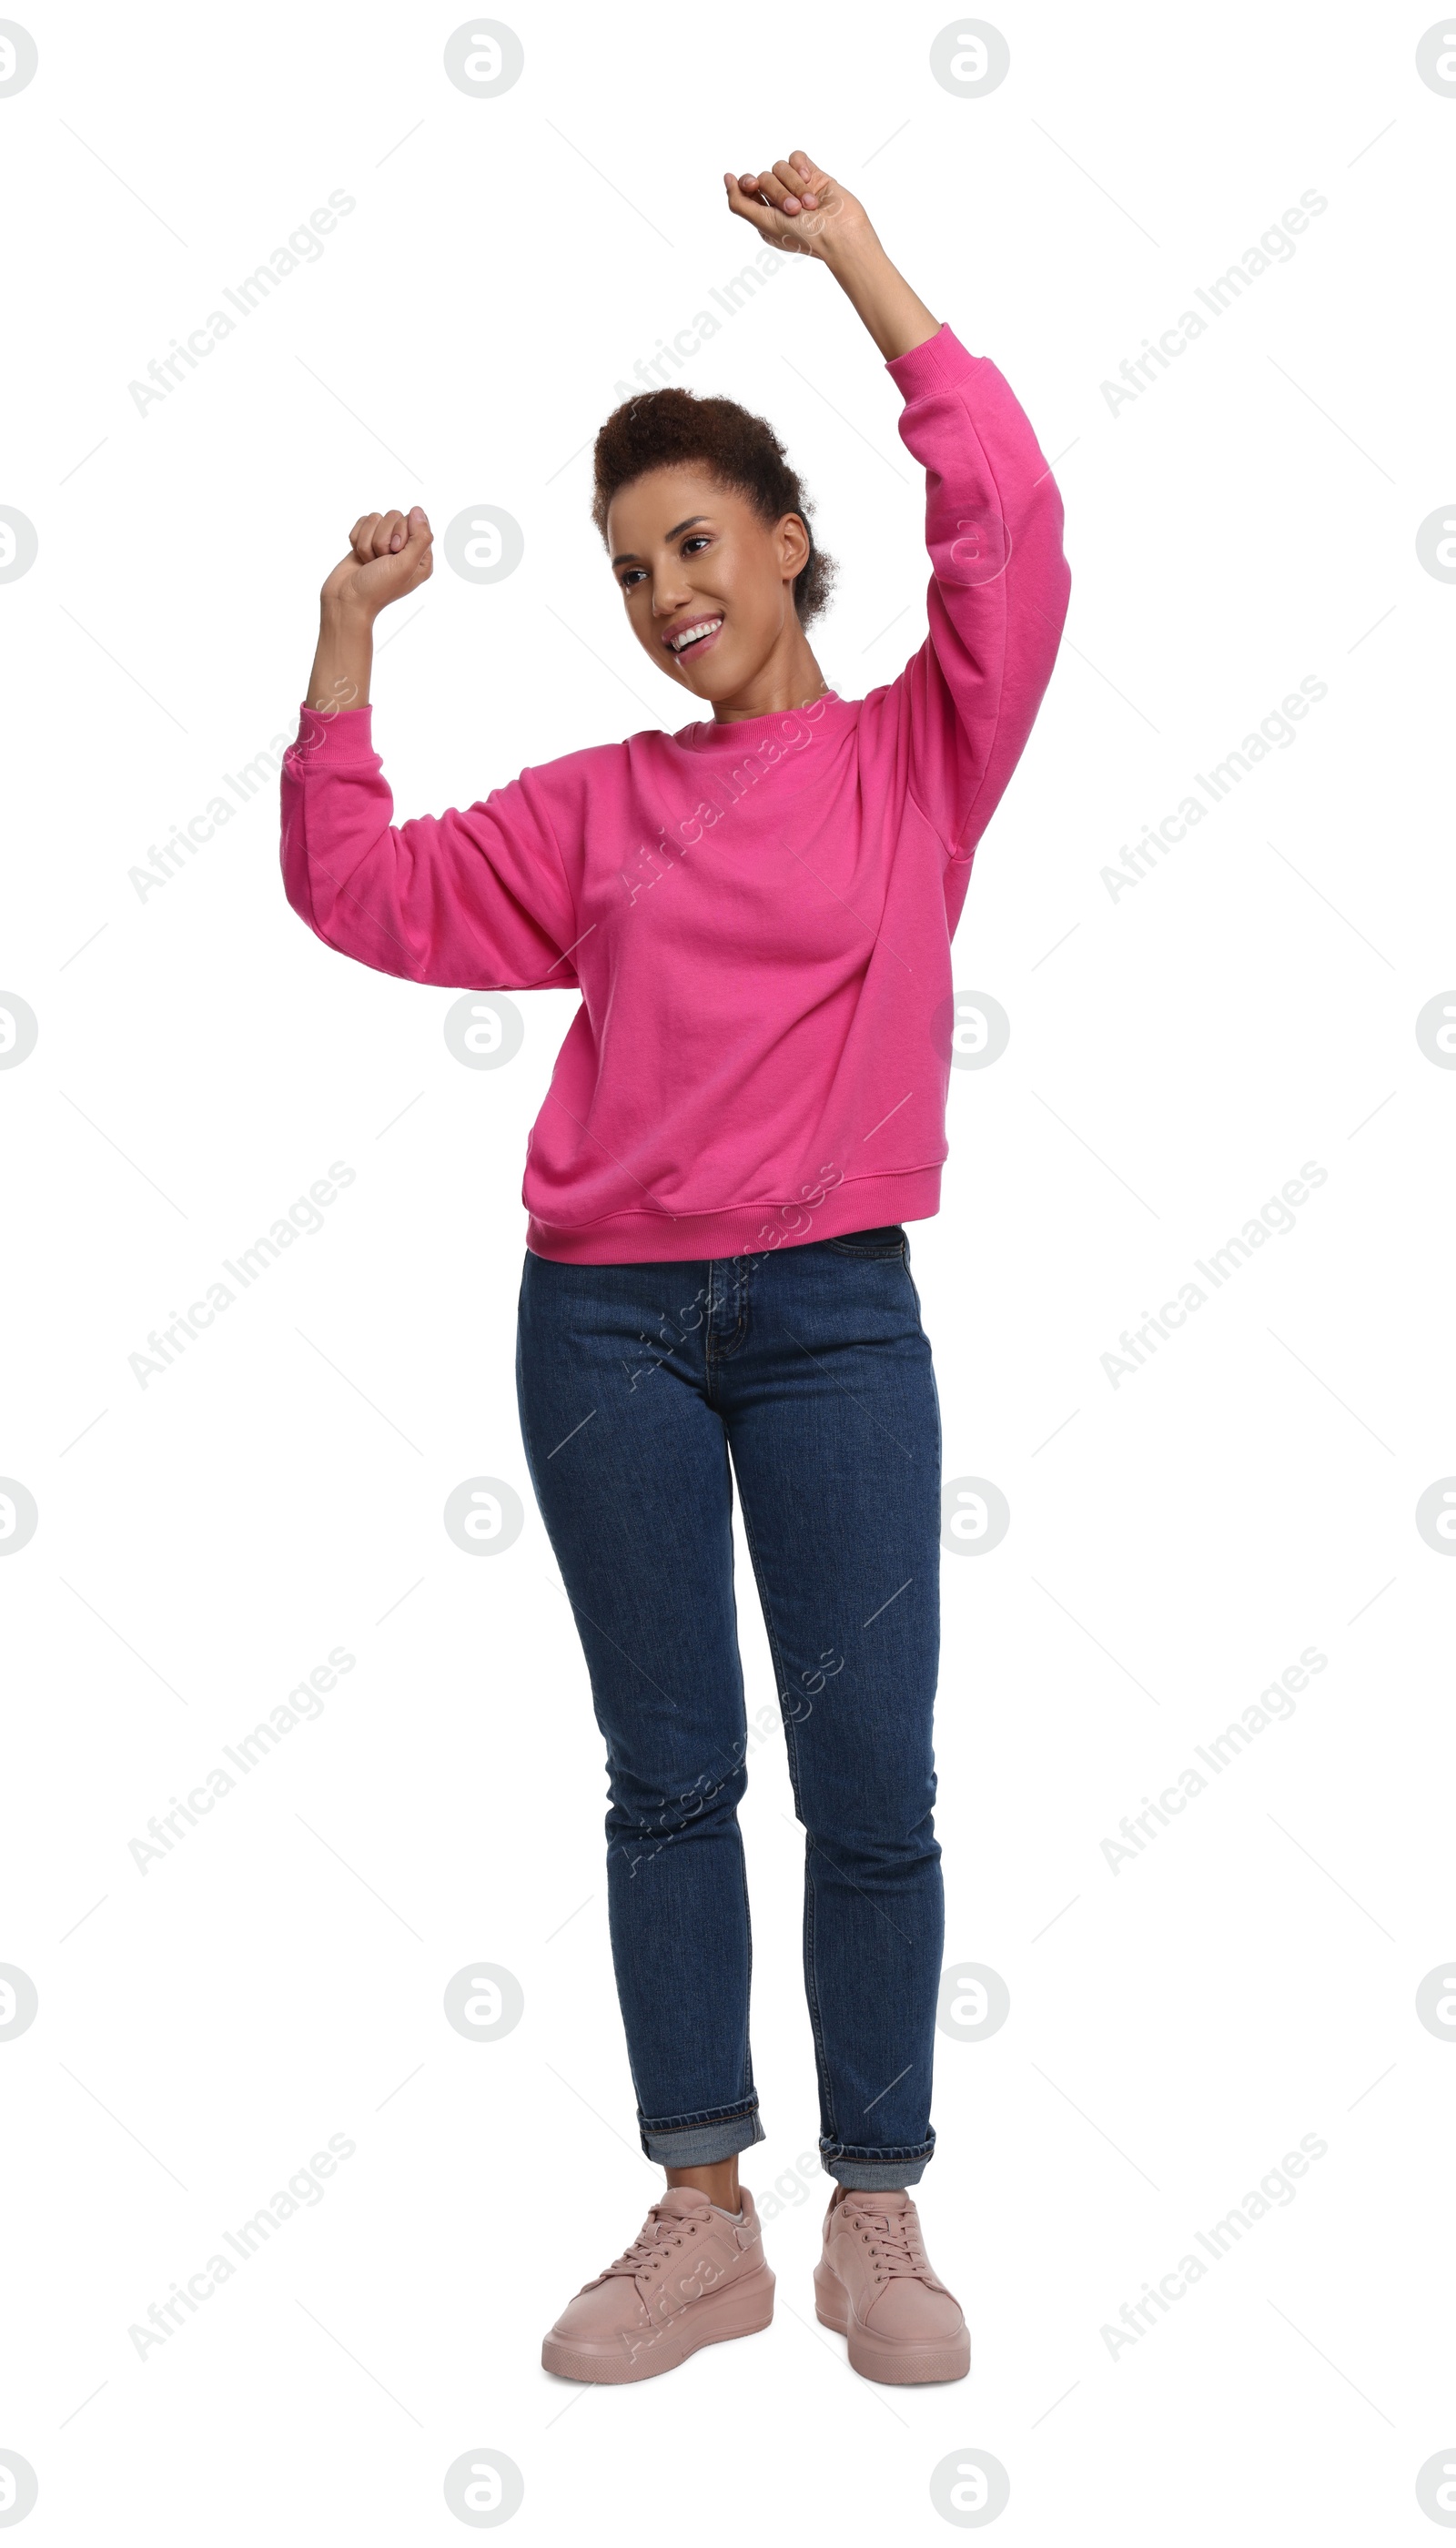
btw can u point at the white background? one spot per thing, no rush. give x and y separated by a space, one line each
1175 1055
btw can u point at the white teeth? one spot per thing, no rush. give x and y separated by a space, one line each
686 636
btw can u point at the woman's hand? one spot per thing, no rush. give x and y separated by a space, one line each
800 209
388 554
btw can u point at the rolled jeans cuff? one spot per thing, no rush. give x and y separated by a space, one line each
876 2171
701 2145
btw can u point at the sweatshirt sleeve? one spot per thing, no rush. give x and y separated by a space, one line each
474 899
964 704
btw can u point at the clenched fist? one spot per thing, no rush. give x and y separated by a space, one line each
388 554
800 209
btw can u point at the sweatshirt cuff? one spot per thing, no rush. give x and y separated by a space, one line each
941 362
346 735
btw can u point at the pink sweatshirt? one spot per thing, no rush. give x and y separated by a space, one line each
758 915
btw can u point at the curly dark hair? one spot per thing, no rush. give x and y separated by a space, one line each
675 427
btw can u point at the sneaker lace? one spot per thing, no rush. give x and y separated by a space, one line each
893 2240
653 2239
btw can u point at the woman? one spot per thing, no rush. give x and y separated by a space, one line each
746 1108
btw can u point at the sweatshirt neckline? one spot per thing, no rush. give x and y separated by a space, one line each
708 733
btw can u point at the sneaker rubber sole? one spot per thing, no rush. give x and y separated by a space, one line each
743 2308
888 2359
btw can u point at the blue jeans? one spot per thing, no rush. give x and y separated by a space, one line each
811 1369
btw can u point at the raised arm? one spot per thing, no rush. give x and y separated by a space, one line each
473 898
997 599
388 554
964 704
804 212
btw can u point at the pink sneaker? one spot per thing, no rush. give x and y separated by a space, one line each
690 2277
876 2285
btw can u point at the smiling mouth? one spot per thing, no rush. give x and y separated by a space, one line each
694 640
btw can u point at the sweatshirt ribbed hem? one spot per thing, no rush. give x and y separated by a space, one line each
660 1238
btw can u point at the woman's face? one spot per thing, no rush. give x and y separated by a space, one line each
689 553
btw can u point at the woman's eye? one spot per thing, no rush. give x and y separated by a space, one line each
694 540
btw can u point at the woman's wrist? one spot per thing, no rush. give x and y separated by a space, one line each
895 316
343 660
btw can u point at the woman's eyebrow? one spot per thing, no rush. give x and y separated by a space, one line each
625 557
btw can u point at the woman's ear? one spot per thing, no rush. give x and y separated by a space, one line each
795 543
